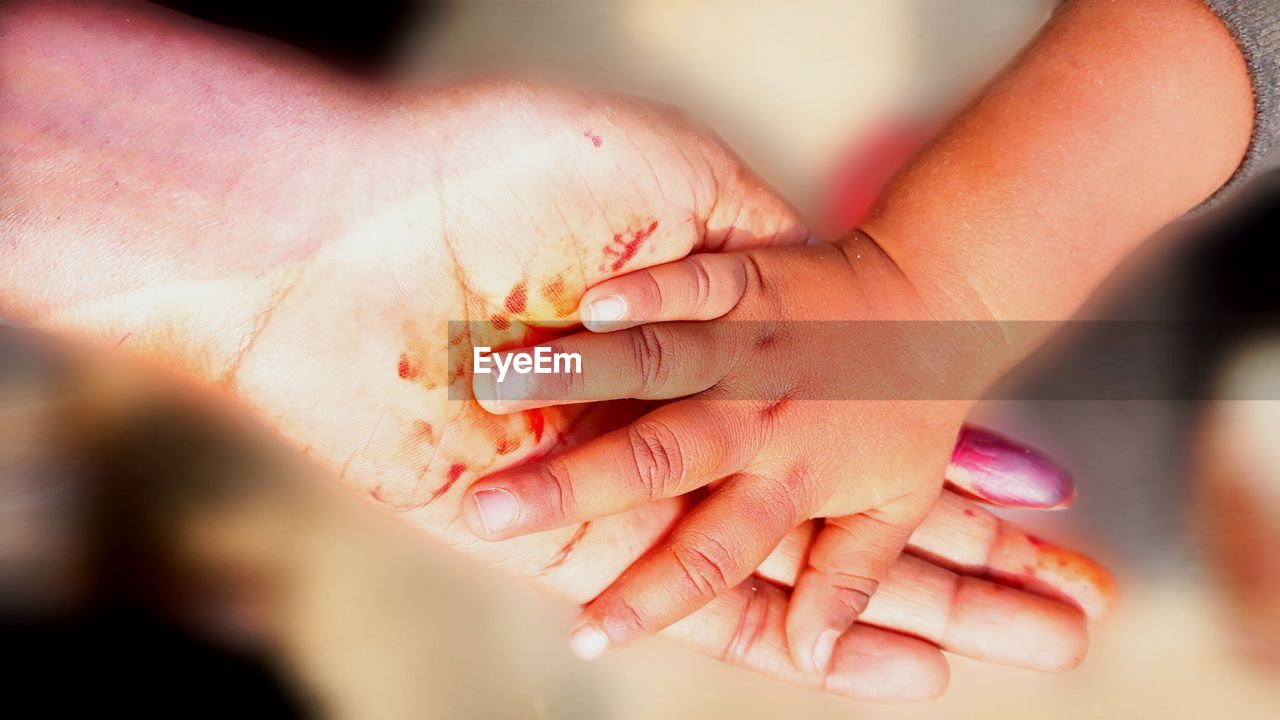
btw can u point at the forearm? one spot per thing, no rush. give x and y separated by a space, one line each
151 171
1121 117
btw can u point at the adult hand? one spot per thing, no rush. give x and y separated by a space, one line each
303 242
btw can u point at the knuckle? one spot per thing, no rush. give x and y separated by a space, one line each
650 351
767 295
655 291
568 385
772 410
657 456
558 385
629 617
853 591
558 480
705 565
755 274
767 333
804 485
795 496
701 279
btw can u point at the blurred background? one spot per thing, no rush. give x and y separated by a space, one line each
149 550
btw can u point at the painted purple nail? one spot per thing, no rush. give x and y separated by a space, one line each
1008 473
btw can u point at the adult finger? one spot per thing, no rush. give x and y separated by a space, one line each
959 535
745 627
965 537
978 618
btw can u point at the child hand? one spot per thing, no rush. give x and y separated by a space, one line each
787 417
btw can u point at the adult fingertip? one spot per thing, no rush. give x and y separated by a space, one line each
1036 632
1071 653
881 666
1045 568
1107 596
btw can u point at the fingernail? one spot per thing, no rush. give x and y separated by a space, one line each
823 647
588 642
1009 473
515 386
606 310
497 508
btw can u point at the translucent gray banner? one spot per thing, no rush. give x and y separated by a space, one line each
853 360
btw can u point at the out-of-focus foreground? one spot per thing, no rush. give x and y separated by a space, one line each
150 537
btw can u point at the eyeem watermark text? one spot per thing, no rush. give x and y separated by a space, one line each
541 361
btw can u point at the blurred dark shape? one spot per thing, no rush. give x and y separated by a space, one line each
1233 274
101 607
360 35
1237 514
116 658
1239 261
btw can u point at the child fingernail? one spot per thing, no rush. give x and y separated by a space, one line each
588 642
1008 473
514 387
606 310
497 509
497 389
824 647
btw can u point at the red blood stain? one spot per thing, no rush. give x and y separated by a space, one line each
376 493
555 293
506 446
595 139
566 550
458 373
1057 569
553 290
970 513
451 477
564 434
406 369
627 249
539 335
500 322
426 432
537 423
517 299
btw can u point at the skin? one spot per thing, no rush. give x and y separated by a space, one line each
233 212
1120 118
